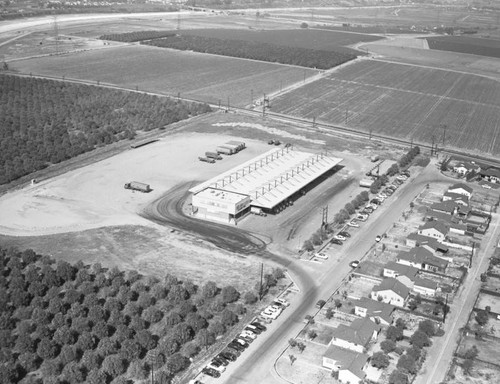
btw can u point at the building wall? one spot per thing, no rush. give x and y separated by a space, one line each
412 264
330 363
346 376
424 291
389 297
347 345
405 280
431 232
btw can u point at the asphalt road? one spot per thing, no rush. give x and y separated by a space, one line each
257 364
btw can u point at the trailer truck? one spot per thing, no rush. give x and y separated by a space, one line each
225 150
136 186
213 155
240 145
206 159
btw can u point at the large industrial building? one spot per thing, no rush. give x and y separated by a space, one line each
266 182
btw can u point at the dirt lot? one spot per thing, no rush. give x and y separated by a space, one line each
484 300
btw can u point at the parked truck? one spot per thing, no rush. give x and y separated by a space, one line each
225 150
206 159
240 145
213 155
136 186
375 158
367 183
257 211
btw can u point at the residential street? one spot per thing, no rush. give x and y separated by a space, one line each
257 365
440 354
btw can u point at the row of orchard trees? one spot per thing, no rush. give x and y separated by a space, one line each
44 122
254 50
131 37
86 324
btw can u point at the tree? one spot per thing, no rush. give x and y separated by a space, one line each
301 346
400 323
467 365
249 297
414 352
428 327
388 345
471 353
329 313
176 363
420 339
209 290
380 360
394 334
47 349
349 207
398 377
228 317
229 294
73 373
292 343
407 363
68 354
205 338
146 339
312 334
113 365
292 359
51 367
304 25
96 376
152 315
138 370
130 350
482 317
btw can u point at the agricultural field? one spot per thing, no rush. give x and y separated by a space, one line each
196 76
324 40
403 101
471 45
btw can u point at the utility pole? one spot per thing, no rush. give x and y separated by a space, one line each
445 309
471 255
314 122
346 115
251 97
56 34
324 217
261 277
444 133
228 103
432 147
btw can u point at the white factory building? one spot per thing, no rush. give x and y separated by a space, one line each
266 182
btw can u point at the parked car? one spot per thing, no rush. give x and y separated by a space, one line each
266 314
382 195
336 241
368 209
345 234
362 217
406 173
354 264
263 319
246 339
339 237
321 255
220 360
217 366
274 308
248 334
237 346
271 142
258 325
378 238
377 201
228 355
242 342
320 303
211 372
253 329
486 186
353 223
282 301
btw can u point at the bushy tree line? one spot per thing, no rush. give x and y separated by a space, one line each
408 157
132 37
86 324
44 122
255 50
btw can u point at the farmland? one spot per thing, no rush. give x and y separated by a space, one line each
404 101
197 76
461 44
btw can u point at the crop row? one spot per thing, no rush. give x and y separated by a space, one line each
131 37
470 45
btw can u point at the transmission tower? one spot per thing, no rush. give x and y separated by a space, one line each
179 21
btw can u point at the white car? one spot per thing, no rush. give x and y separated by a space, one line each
269 315
372 206
249 334
282 302
353 224
486 186
378 238
362 217
382 195
220 368
274 308
321 255
339 237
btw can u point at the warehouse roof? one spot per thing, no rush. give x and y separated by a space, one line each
273 176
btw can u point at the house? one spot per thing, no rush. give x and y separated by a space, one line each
456 198
464 168
391 291
425 287
435 229
457 228
376 311
350 365
448 206
462 189
431 244
403 273
422 259
491 174
355 336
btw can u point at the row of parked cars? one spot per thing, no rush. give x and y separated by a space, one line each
241 342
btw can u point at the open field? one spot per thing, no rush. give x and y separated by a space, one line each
197 76
404 101
472 45
324 40
488 348
482 373
485 300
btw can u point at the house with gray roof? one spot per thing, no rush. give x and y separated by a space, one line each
422 259
349 365
355 336
391 291
377 311
462 189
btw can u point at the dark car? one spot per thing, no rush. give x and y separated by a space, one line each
258 325
253 328
210 372
320 303
235 345
217 361
246 339
375 201
336 241
345 234
228 355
